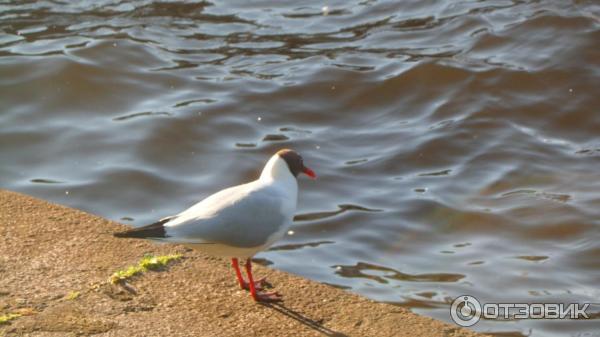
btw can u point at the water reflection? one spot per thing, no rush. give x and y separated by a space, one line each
299 245
370 271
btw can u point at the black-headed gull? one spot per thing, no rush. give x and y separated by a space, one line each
239 221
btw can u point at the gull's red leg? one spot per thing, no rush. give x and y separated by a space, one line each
259 296
238 273
258 284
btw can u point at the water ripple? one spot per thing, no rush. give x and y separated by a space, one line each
341 209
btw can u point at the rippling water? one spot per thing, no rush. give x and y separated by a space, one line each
457 142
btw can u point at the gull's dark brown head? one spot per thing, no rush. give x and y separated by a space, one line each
295 163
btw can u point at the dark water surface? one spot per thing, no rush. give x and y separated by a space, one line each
457 142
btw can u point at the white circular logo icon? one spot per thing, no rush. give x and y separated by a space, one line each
465 310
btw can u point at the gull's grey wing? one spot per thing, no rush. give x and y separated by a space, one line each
241 218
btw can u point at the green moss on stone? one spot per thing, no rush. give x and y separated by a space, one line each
148 262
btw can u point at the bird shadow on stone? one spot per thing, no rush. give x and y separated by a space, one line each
309 322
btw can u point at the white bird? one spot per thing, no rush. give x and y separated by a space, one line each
239 221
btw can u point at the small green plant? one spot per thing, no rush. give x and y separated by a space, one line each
4 319
148 262
73 295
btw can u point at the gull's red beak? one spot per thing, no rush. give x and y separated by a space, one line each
309 172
